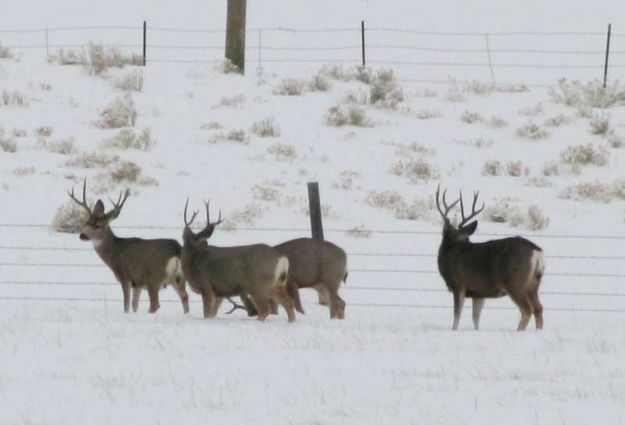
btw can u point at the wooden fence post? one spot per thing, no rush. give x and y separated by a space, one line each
362 42
314 205
607 55
235 33
145 32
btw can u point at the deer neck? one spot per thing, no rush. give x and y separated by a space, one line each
107 246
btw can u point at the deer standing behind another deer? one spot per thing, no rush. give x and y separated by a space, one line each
215 273
509 266
316 264
136 263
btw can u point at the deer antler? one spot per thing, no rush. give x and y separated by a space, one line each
208 220
474 213
188 223
235 306
447 207
117 206
82 203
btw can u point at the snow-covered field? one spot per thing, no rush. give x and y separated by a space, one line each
67 352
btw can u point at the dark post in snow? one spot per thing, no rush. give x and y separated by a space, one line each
145 32
362 42
607 55
314 205
235 33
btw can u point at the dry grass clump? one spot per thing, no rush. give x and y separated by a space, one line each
417 209
480 88
600 124
511 168
128 139
384 90
585 155
69 218
347 180
553 168
119 113
130 81
509 211
319 83
538 181
231 101
480 142
594 191
592 94
96 58
415 169
266 193
247 216
19 132
228 67
282 152
5 52
454 94
233 136
471 117
558 120
289 87
427 114
7 142
413 148
44 131
531 130
130 172
351 114
496 122
615 140
389 199
492 167
63 146
24 171
266 128
13 98
532 111
91 160
337 72
212 125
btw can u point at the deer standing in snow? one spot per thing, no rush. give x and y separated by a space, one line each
136 263
509 266
258 271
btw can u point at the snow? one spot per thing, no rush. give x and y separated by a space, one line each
69 354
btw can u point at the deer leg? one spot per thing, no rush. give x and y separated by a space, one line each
153 294
215 305
262 306
458 304
126 293
337 305
281 296
293 290
249 305
525 306
538 309
478 303
136 294
179 287
207 302
324 295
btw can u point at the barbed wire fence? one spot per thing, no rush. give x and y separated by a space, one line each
378 278
420 57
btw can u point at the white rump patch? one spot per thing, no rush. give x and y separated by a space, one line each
172 270
537 262
281 268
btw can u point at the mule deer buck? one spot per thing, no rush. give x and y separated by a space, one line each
317 264
136 263
509 266
258 271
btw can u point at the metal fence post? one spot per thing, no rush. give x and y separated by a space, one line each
314 205
145 31
607 55
362 42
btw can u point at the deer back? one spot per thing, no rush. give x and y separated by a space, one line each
312 261
145 260
489 269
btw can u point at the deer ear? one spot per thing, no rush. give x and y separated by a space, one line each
469 229
98 208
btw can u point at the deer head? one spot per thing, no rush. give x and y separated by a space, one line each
188 236
464 228
97 225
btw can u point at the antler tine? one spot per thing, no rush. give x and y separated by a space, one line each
235 306
117 206
474 213
446 207
208 220
82 203
188 223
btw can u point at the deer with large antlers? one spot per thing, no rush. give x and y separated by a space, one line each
136 263
258 271
492 269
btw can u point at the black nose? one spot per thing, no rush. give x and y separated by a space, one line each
84 237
